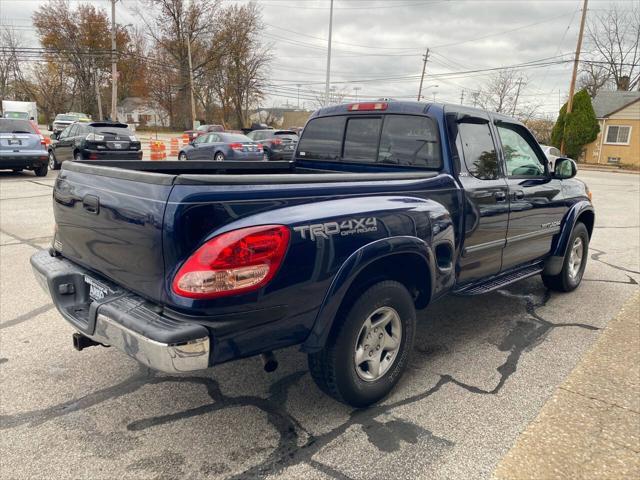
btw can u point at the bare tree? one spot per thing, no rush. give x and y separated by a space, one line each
9 62
240 74
613 37
336 96
593 77
505 93
174 28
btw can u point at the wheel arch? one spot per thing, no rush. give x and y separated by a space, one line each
408 260
581 211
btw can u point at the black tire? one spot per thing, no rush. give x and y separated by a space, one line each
334 368
77 157
41 171
218 157
182 157
569 277
53 163
266 157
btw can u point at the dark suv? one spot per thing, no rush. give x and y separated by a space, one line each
94 141
278 144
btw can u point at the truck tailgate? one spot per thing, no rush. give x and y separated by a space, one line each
112 224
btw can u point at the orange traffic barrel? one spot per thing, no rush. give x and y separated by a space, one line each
174 147
156 153
185 139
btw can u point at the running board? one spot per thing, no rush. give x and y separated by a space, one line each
499 281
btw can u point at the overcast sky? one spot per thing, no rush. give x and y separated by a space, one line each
378 45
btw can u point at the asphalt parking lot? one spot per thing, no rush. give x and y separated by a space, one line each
482 369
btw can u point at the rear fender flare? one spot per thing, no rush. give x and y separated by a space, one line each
348 272
554 263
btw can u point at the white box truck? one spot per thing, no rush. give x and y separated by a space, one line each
25 110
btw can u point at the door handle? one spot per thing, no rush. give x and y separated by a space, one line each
91 204
518 195
500 196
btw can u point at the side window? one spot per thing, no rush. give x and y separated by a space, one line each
410 140
520 157
65 132
361 139
322 139
213 138
479 151
73 131
201 139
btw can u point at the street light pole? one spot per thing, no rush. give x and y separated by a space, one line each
326 86
355 89
424 67
114 64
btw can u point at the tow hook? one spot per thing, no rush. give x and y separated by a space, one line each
81 342
269 362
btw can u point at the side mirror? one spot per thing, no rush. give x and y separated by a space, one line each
565 168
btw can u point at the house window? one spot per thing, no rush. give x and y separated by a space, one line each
613 159
618 135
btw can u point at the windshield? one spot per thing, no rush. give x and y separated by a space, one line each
24 115
16 126
235 138
65 118
113 130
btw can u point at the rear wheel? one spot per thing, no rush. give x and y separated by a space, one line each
219 157
575 261
77 157
182 157
41 171
368 350
53 163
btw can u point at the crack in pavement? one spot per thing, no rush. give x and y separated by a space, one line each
596 256
21 240
26 316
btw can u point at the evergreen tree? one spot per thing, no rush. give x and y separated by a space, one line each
578 128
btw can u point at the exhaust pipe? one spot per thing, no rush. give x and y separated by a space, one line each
269 362
80 342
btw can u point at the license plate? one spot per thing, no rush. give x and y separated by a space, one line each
14 141
288 148
117 145
97 291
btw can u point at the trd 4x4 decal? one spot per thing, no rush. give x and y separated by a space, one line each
343 228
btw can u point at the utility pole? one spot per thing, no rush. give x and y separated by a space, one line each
193 103
355 89
99 100
461 97
475 98
298 85
576 61
114 64
425 57
515 102
326 86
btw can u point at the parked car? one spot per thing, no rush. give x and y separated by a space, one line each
552 154
203 129
222 146
388 207
94 141
63 120
22 146
278 144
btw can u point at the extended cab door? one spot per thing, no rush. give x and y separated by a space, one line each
486 205
536 200
64 146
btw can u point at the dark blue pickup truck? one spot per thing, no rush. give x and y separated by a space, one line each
385 208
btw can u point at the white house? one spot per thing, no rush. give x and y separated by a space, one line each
142 112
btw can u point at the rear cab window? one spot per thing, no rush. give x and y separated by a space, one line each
16 126
383 140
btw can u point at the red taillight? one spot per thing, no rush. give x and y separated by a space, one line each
260 146
236 146
235 262
43 140
276 141
367 106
